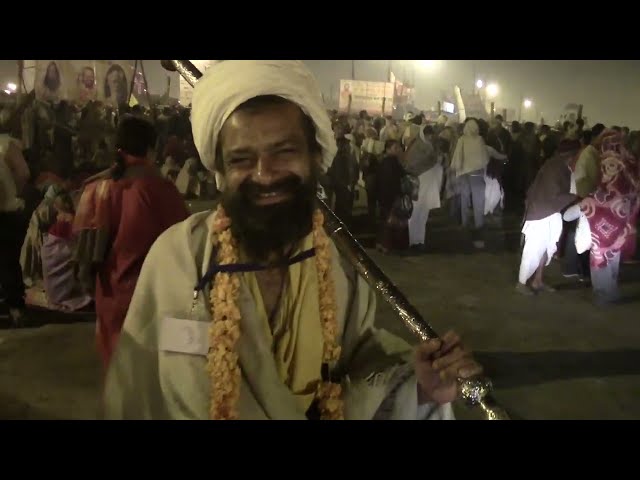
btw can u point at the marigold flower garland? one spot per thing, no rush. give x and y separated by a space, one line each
224 332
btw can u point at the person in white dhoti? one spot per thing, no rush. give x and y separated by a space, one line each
547 197
279 325
421 161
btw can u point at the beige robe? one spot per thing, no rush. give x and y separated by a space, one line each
159 368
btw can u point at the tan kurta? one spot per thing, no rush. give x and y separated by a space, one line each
159 367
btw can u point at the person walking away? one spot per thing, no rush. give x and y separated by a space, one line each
395 204
547 197
469 161
117 220
586 177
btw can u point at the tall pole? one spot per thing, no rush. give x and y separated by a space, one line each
133 78
353 69
146 84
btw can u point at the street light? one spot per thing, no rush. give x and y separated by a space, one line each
428 64
527 103
12 87
492 90
479 84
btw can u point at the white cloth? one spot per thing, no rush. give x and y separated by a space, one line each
493 195
572 213
541 236
169 166
187 182
229 83
428 199
583 234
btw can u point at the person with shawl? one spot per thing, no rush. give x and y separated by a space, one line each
120 214
249 311
547 197
41 220
469 161
612 212
62 290
421 161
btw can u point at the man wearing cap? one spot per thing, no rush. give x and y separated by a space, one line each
249 311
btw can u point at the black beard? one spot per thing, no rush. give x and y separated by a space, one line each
264 230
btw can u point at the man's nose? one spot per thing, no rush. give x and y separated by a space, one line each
264 172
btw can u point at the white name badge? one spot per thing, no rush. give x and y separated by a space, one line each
184 336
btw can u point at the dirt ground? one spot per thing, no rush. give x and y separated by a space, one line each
552 356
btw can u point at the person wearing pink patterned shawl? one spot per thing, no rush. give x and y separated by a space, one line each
612 212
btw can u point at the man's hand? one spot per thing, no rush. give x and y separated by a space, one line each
439 363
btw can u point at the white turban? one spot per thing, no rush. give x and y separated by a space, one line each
228 84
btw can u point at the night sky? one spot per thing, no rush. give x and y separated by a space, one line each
608 89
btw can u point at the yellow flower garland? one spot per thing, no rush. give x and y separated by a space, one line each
224 332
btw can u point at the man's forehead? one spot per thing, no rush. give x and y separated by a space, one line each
281 121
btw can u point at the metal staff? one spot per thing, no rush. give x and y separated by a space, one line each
475 391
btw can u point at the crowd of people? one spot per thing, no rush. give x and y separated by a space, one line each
93 212
53 154
555 178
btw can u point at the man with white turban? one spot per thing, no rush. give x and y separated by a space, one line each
249 311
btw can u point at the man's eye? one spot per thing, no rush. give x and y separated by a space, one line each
238 160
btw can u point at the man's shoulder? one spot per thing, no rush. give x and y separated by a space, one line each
193 226
185 238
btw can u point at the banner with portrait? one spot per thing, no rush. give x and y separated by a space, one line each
82 81
357 95
85 87
51 80
113 81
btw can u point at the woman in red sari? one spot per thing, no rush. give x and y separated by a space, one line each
119 217
612 212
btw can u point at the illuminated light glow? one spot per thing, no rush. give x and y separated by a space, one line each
12 87
479 83
8 92
527 103
492 89
428 64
